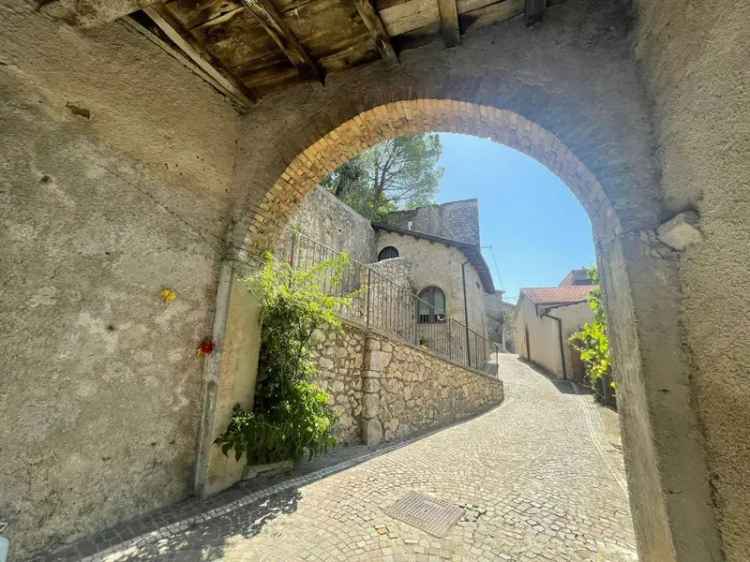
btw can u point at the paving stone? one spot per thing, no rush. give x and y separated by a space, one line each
532 477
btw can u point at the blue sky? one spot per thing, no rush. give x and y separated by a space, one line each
537 228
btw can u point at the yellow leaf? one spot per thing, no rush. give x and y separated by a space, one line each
167 295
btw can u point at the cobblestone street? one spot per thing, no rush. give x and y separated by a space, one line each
540 478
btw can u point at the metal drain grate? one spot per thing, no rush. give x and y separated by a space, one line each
431 515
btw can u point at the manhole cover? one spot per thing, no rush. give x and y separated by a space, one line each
431 515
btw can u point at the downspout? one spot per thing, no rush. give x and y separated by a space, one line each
466 312
560 340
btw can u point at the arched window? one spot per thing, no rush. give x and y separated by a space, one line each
431 306
387 253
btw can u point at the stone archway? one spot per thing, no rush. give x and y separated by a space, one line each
570 97
603 152
408 117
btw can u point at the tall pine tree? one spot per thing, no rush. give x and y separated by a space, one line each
400 173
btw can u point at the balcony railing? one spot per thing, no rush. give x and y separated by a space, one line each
388 305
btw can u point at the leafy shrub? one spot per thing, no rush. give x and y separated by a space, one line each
593 343
291 416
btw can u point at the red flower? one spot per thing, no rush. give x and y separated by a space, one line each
206 347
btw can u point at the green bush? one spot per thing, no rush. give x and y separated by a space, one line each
291 416
593 343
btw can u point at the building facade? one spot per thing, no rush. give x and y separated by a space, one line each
435 250
544 320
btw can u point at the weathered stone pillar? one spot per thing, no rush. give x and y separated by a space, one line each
376 361
230 374
664 446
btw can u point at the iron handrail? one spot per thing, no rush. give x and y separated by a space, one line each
388 305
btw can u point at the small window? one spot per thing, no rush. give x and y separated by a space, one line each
431 306
387 253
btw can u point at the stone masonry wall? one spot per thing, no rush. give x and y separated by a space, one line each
383 389
455 220
332 223
339 357
407 390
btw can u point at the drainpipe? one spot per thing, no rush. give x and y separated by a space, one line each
560 340
466 312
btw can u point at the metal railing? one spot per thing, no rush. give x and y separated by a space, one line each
389 305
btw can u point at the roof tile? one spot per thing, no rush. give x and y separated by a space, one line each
568 294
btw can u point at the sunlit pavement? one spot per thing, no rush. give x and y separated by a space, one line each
540 478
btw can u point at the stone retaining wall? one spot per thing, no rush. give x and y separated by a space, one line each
407 390
384 389
339 357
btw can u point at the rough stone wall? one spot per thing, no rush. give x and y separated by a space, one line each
407 390
103 202
339 358
332 223
455 220
439 265
694 62
384 389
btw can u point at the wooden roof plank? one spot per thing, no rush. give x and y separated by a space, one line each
377 29
188 44
272 22
449 27
492 14
534 11
241 102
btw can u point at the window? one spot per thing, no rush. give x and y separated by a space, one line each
387 253
431 306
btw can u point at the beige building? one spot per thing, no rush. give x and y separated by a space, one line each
546 317
435 250
450 276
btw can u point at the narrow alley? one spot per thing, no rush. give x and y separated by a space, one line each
539 478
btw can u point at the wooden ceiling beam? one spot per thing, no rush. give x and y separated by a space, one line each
376 28
187 43
534 11
272 22
449 27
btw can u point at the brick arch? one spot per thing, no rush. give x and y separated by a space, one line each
569 95
407 117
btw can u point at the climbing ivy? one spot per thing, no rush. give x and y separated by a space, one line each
592 341
291 416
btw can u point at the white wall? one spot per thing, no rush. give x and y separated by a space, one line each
543 333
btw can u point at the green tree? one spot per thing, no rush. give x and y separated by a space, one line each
592 340
291 416
400 173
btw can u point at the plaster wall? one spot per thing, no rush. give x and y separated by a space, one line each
102 204
543 334
235 384
694 62
439 265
